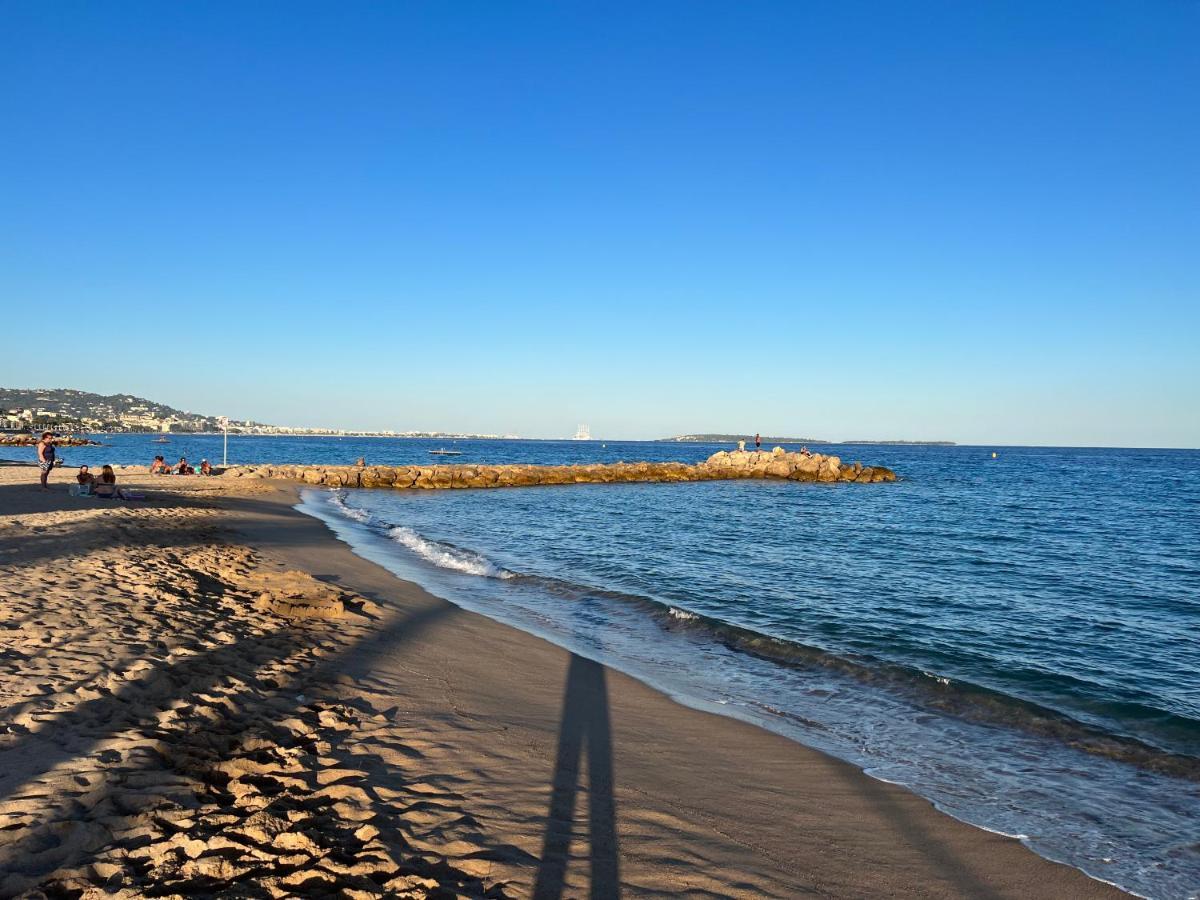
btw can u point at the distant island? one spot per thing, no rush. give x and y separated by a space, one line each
749 438
913 443
734 438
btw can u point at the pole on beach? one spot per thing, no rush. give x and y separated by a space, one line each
225 449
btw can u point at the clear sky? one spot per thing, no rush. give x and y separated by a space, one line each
970 221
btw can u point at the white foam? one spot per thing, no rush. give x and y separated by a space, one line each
338 499
683 614
445 556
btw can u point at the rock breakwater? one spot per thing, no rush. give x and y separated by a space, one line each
776 464
29 440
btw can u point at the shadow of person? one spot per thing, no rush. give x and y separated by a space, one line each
585 726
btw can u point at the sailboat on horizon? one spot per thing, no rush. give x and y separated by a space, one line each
582 434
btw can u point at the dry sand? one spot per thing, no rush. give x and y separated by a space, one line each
165 730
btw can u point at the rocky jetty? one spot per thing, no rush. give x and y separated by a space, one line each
776 464
29 440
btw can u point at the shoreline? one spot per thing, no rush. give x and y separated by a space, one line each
684 709
681 799
344 531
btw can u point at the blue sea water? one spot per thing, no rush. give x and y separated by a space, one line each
1017 639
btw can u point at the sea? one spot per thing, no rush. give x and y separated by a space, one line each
1010 632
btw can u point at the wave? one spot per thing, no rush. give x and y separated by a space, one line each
929 690
440 553
939 693
338 499
447 556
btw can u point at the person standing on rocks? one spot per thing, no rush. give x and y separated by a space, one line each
45 454
757 442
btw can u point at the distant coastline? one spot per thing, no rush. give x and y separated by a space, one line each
734 438
905 443
67 411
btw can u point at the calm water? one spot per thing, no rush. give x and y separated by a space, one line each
1017 639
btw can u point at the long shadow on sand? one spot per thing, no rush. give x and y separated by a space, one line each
38 544
584 727
204 741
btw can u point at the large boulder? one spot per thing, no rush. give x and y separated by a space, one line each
809 465
779 468
719 459
741 458
830 470
485 477
377 476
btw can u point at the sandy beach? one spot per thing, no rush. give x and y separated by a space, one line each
164 731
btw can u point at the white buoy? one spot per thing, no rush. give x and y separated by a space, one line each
993 454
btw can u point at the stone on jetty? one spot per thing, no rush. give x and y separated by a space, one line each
778 464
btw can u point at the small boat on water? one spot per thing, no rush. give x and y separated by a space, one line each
161 440
445 452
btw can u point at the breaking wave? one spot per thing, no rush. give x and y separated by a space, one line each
338 499
447 556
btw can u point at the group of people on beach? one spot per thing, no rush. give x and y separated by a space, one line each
161 467
102 485
105 484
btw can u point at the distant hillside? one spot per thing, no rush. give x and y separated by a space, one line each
102 409
734 438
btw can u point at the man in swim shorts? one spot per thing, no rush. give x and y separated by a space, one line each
45 453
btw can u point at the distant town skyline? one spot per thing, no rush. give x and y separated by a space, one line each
49 415
929 221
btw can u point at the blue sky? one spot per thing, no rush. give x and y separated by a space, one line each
970 221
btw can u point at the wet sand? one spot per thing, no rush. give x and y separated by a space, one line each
161 729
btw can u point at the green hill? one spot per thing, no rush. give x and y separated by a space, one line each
98 410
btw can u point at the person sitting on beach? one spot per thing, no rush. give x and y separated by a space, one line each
205 468
159 467
106 484
183 468
45 455
85 476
